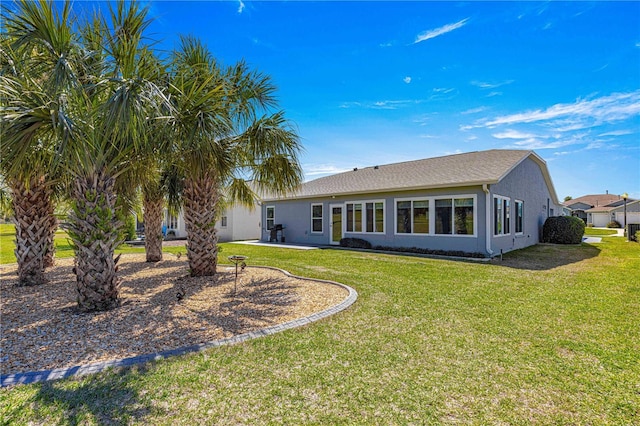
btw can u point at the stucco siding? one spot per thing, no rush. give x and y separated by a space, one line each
295 216
525 183
242 224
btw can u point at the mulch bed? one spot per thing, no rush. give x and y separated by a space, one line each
42 329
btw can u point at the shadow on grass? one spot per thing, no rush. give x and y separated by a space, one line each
105 399
544 257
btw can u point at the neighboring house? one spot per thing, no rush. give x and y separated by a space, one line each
484 202
600 209
239 223
579 206
601 216
236 223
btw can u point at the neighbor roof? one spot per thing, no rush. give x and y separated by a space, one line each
593 200
469 169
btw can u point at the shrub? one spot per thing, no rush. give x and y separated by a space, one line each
563 230
636 237
614 224
589 225
434 252
355 243
128 227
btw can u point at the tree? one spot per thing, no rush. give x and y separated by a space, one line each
112 135
568 198
222 143
36 70
99 84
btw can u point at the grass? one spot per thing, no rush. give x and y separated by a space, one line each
550 335
63 245
599 231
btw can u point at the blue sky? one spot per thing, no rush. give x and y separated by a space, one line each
379 82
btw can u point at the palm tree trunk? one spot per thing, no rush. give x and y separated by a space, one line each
95 233
200 198
153 212
33 215
50 255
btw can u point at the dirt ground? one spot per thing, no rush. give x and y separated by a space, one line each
42 329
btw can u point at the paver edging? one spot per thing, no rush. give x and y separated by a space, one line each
81 370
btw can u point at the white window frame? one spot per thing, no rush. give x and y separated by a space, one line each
266 214
506 216
321 218
363 224
172 221
432 216
515 216
412 200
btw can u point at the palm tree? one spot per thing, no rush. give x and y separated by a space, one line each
35 69
222 143
99 84
113 135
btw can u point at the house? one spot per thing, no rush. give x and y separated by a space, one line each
578 206
235 223
484 202
602 215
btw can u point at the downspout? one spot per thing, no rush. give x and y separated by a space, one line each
487 218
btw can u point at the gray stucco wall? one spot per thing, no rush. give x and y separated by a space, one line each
525 182
295 216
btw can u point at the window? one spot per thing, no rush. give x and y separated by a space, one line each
444 216
412 217
223 221
316 217
271 217
463 211
367 216
501 215
519 215
172 221
375 217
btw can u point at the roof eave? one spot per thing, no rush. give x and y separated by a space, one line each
383 190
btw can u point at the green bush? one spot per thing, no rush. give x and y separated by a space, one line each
563 230
128 229
636 237
355 243
614 224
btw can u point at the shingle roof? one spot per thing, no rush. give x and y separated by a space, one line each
593 200
473 168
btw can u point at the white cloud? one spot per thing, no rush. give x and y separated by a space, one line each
617 133
487 85
240 6
592 123
607 109
513 134
407 79
474 110
429 34
322 169
386 104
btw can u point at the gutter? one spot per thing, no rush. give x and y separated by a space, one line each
487 216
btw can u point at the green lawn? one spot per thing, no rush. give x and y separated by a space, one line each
550 335
599 231
63 246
